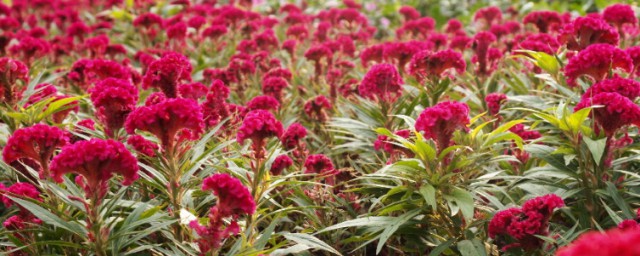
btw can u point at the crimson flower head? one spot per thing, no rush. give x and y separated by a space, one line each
613 242
442 120
617 111
113 99
372 53
273 86
11 71
625 87
36 143
20 189
480 44
166 119
29 48
488 16
319 164
292 136
96 160
316 108
596 61
316 53
545 21
257 126
279 164
382 82
634 54
409 13
402 52
263 102
515 228
233 197
620 14
192 91
428 64
585 31
167 72
494 102
142 145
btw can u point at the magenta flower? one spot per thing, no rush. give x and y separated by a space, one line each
193 91
619 15
167 72
488 16
442 120
11 71
617 111
37 143
167 119
21 190
385 143
545 21
613 242
494 102
518 227
428 64
596 61
258 125
263 102
585 31
292 137
382 82
113 99
273 86
96 161
279 164
316 108
142 145
481 43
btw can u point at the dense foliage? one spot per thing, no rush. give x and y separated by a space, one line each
322 128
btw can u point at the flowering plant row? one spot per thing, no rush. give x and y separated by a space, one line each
262 128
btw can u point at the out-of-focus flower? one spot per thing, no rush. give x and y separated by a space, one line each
481 43
383 83
614 242
545 21
263 102
585 31
619 15
494 102
142 145
428 64
167 72
10 72
257 126
279 164
113 99
596 61
316 108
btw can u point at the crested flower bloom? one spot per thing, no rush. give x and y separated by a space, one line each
263 102
516 228
234 199
429 64
402 52
36 143
113 99
280 163
585 31
321 165
540 43
316 108
142 145
192 91
292 137
85 72
273 86
527 136
545 21
257 126
480 45
372 53
488 16
383 142
613 242
11 71
382 82
96 161
596 61
167 119
316 53
617 111
625 87
494 102
634 54
409 13
442 120
619 15
167 72
20 190
215 108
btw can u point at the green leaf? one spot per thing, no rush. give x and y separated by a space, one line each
50 218
471 248
310 241
442 247
620 202
429 193
464 200
399 221
597 148
376 221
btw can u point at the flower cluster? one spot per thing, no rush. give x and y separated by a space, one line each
95 161
36 143
258 125
442 120
517 227
113 99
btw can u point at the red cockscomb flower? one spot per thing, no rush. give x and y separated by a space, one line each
494 102
293 135
614 242
11 71
518 227
233 197
166 119
488 16
273 86
166 73
620 14
429 64
113 99
142 145
585 31
440 121
192 91
618 111
596 61
625 87
316 108
383 142
279 164
21 190
481 43
263 102
257 126
382 82
37 143
96 160
545 21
